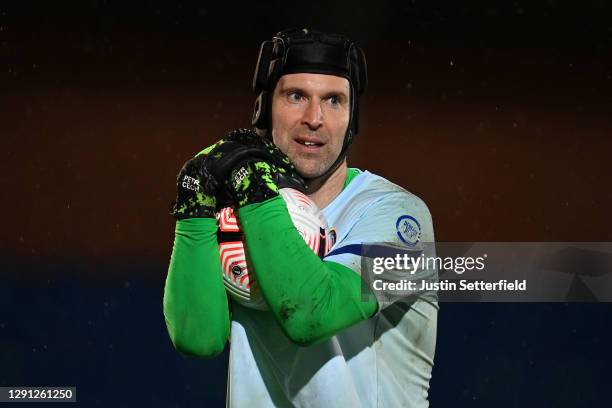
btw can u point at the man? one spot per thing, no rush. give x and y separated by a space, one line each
322 343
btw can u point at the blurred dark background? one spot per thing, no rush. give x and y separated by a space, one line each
496 114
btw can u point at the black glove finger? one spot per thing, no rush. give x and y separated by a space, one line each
290 180
249 138
239 155
246 137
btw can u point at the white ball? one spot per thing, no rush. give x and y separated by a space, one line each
238 276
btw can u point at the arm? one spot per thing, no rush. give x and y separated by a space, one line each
195 302
397 223
314 302
311 299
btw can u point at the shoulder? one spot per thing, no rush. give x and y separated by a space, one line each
382 193
402 210
383 208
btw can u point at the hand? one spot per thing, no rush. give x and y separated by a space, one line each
202 187
265 169
254 181
240 146
196 191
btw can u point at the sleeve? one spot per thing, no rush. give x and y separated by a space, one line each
398 223
311 299
195 302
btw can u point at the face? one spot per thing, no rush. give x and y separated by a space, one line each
310 115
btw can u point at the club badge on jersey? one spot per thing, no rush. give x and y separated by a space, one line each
239 278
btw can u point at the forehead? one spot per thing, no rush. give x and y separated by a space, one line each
314 82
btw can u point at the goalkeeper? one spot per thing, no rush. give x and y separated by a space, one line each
322 343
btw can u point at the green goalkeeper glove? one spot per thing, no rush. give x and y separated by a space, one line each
255 181
202 186
197 187
196 191
265 169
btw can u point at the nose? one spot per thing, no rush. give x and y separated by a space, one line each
313 115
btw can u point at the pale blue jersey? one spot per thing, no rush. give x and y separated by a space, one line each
384 361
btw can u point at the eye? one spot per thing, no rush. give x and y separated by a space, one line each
334 99
294 96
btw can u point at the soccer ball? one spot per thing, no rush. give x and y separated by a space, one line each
238 276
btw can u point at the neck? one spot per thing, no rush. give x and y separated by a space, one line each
323 191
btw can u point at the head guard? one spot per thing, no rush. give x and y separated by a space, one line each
295 51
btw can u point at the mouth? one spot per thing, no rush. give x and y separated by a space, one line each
310 143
